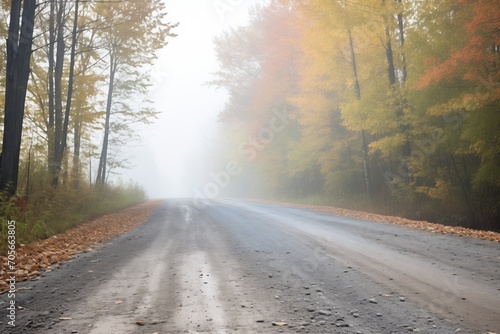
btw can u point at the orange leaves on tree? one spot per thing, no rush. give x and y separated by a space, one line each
477 59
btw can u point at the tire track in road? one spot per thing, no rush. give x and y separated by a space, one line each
236 268
187 280
202 309
123 300
451 290
214 294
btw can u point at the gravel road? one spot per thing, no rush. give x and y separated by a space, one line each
238 267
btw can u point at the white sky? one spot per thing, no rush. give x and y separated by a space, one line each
188 107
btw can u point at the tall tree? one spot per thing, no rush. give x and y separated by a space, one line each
61 139
78 84
19 44
135 31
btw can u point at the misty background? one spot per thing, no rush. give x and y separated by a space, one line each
176 145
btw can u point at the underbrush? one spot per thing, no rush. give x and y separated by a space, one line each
48 211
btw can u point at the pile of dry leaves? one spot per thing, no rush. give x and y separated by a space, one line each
42 255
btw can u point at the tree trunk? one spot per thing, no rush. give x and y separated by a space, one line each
64 132
50 127
357 89
59 66
101 171
405 127
404 73
76 152
366 166
392 70
17 74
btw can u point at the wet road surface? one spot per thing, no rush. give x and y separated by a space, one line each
238 267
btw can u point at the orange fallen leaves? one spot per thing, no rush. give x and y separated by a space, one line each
41 255
422 225
417 224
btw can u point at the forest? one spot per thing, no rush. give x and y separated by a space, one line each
75 75
392 107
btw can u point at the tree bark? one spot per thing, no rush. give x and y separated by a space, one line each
101 171
357 89
405 127
64 131
18 69
50 127
58 73
391 68
76 152
393 79
404 72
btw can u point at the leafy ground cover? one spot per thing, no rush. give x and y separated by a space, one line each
45 255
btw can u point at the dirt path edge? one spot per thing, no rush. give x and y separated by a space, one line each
46 255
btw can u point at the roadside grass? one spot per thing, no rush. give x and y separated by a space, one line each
48 211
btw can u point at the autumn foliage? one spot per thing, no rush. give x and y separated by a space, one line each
392 106
89 77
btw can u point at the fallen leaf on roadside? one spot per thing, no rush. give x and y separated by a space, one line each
423 225
44 255
139 323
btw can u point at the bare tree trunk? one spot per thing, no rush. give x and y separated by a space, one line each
90 170
101 171
64 132
28 178
18 69
59 66
50 127
76 151
366 166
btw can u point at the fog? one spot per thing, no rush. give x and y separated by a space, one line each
178 141
315 109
